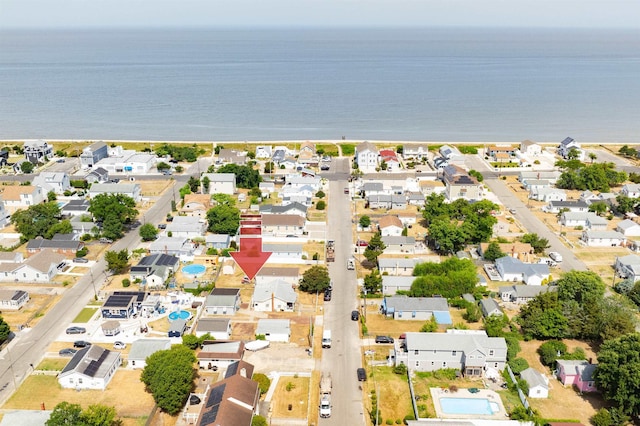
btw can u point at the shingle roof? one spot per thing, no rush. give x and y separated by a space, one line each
279 289
273 326
534 378
386 221
92 361
424 304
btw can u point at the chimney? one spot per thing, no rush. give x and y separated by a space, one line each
243 372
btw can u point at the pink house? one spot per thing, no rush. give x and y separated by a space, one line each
578 374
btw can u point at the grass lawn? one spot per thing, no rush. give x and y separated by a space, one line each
85 315
293 392
52 364
394 399
379 324
38 389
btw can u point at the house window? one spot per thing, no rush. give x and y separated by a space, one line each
491 352
495 365
413 314
444 364
399 314
417 363
453 353
433 363
416 352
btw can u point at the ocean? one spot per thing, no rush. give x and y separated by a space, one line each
444 84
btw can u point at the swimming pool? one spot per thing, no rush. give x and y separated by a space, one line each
478 406
194 269
185 315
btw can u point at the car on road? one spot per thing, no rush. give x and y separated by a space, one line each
105 240
162 226
80 260
362 243
355 315
362 374
512 211
76 330
119 345
327 295
67 352
60 160
81 344
384 339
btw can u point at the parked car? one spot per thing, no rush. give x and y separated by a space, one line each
76 330
119 345
60 160
362 374
355 315
105 240
81 344
80 260
162 226
324 167
362 243
67 352
384 339
327 295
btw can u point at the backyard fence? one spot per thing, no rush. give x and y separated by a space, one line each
521 394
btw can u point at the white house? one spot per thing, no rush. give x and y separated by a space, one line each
628 267
181 247
13 300
263 152
218 328
281 225
391 284
547 194
37 151
588 220
399 245
52 182
217 354
90 368
275 296
18 197
530 148
571 206
416 152
367 156
631 190
628 228
603 238
5 217
390 226
221 183
567 145
130 189
290 275
521 294
127 161
39 268
282 253
538 383
222 301
512 269
187 227
141 349
274 330
394 266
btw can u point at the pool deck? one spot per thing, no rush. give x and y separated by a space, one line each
437 393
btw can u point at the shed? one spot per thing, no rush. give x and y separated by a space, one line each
111 328
538 383
177 328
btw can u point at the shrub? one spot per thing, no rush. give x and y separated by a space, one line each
389 422
316 256
398 421
446 374
409 417
518 365
263 382
400 369
126 282
290 386
321 205
550 351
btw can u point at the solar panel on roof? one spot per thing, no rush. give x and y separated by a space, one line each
215 396
210 416
231 369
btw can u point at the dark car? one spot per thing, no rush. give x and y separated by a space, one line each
67 352
327 295
76 330
355 315
81 344
384 339
162 226
362 374
324 167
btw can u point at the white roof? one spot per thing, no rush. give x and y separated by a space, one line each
273 326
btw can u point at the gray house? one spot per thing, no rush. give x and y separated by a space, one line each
392 284
490 307
92 154
222 301
416 308
154 270
472 352
394 244
521 293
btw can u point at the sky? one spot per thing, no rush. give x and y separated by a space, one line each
331 13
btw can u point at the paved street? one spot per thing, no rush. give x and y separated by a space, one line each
29 346
344 356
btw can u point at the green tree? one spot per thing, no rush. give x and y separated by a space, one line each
194 184
592 156
206 183
162 166
494 325
148 232
472 313
225 199
117 205
375 248
315 279
263 382
191 341
51 196
27 167
184 191
625 204
169 376
269 167
100 415
321 205
246 176
405 231
320 194
476 174
618 372
599 207
550 351
37 220
450 278
258 420
65 413
5 330
430 326
609 417
539 244
493 252
365 221
117 261
518 365
542 318
373 281
112 227
223 219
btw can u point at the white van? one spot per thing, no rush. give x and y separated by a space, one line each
326 339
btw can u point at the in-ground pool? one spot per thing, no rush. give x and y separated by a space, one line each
185 315
478 406
195 269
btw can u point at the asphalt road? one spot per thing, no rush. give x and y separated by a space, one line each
28 346
344 356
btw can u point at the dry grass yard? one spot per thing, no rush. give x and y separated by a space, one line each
394 400
32 312
378 324
291 392
154 188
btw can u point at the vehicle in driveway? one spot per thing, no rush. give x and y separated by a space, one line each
362 374
81 344
355 315
105 240
162 226
67 352
80 260
384 339
362 243
76 330
119 345
327 295
324 167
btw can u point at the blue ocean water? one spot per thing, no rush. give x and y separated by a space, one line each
379 84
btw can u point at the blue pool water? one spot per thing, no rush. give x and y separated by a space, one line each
185 315
467 406
194 269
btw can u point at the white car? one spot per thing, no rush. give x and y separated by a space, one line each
119 345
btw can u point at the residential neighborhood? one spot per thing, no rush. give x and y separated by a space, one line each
420 277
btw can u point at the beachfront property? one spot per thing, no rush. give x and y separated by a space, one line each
231 156
127 161
570 145
263 152
469 351
21 197
415 152
530 148
367 157
416 308
92 154
390 158
92 367
221 183
129 189
37 151
459 184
